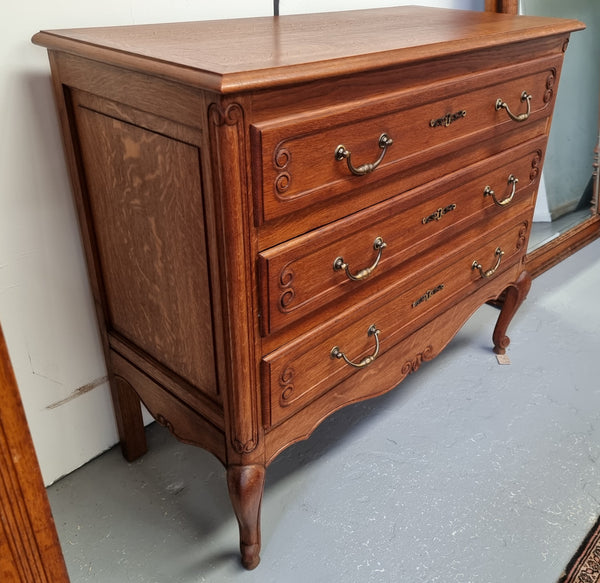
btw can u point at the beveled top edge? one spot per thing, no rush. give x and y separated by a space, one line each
257 53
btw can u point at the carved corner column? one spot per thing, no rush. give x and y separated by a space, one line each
29 547
235 258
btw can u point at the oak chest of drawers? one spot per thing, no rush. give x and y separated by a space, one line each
282 216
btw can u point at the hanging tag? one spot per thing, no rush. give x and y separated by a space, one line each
502 358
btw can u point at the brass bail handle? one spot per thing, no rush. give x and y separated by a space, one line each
367 360
488 273
379 245
342 152
525 97
512 181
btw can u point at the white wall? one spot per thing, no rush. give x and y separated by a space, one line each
45 304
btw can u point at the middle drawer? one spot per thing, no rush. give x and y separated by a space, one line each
310 271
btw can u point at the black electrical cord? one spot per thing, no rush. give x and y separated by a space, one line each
275 7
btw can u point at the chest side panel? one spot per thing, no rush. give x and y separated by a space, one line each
144 190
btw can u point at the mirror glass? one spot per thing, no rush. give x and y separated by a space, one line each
565 193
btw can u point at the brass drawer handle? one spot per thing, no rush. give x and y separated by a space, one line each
367 360
500 104
341 152
379 245
512 181
476 265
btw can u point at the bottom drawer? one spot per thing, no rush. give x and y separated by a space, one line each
304 369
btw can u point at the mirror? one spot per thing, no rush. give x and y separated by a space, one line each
567 215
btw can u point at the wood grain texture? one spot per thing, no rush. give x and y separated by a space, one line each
297 276
288 150
296 48
246 485
420 346
229 167
299 372
29 547
515 296
128 413
145 194
213 209
185 423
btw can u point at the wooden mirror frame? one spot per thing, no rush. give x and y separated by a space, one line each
551 253
29 545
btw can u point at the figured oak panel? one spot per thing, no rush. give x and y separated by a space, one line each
145 192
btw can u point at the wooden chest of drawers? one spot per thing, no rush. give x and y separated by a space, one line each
283 216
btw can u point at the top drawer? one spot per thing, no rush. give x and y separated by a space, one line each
304 159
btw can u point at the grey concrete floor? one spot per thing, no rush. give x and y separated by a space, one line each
468 472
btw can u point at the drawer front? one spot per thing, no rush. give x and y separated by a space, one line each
303 370
305 274
305 159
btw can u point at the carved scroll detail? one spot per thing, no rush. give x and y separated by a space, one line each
281 159
244 447
522 240
286 281
550 82
282 182
286 384
413 365
535 165
232 115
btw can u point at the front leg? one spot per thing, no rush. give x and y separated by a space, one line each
246 486
515 294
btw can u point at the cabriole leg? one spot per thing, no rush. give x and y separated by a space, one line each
515 294
246 486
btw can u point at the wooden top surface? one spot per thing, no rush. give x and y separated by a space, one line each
255 53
